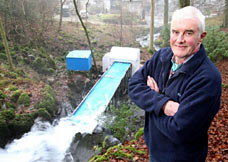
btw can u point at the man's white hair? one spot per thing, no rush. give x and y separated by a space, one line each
190 12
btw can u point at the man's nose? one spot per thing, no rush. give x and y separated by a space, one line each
180 38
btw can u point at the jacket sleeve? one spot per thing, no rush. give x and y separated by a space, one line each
141 94
198 106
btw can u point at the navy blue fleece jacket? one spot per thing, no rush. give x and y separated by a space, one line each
196 86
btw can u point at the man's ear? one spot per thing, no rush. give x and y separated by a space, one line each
202 36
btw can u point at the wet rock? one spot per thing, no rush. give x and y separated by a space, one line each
111 141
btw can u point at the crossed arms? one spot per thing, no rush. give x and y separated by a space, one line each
171 107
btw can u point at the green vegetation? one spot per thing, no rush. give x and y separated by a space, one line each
119 151
224 85
43 113
48 102
24 99
139 133
18 109
13 125
216 43
15 95
124 122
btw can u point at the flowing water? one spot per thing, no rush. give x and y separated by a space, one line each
45 142
145 40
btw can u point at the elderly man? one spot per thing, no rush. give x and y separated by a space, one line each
179 89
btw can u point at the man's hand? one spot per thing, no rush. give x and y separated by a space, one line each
152 84
170 108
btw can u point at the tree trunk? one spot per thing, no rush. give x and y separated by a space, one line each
166 12
121 23
152 25
86 33
5 43
87 3
184 3
226 14
61 14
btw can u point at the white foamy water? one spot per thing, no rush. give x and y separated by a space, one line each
45 142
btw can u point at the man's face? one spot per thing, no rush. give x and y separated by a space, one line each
185 37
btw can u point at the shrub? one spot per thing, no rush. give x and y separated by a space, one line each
24 99
121 121
165 36
216 43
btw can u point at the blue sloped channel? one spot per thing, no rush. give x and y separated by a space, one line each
101 94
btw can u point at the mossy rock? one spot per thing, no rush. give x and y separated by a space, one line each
21 124
8 114
15 95
24 99
48 101
43 113
4 132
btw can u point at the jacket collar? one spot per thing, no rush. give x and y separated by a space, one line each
187 68
190 66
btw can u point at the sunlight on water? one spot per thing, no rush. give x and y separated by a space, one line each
46 142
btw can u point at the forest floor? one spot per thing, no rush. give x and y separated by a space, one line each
218 141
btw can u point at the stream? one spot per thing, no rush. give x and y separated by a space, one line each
45 142
145 40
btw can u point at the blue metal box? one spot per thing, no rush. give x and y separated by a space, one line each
79 60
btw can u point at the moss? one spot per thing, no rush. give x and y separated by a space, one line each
8 114
224 85
4 82
51 63
39 64
43 113
2 95
139 133
24 99
13 88
4 132
10 105
12 75
15 95
21 124
117 152
13 125
48 102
